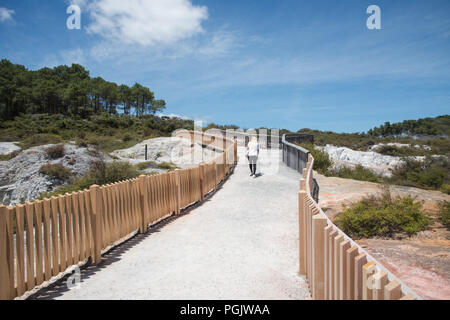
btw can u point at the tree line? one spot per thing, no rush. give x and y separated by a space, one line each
68 90
422 127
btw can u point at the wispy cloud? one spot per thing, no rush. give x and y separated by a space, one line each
6 14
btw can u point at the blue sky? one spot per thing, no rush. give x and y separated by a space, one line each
278 64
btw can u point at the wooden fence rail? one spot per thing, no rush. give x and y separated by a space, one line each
39 240
335 266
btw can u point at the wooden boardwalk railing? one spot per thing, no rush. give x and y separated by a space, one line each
39 240
335 266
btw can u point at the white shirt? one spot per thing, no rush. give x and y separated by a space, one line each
253 149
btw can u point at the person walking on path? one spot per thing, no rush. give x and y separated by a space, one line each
252 155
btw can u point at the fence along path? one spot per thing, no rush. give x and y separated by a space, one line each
40 240
335 266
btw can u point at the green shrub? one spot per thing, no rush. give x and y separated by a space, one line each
56 171
382 216
444 213
357 173
39 139
166 166
445 188
322 161
127 137
101 173
432 173
145 165
56 152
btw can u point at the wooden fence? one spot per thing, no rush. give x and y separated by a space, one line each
39 240
335 266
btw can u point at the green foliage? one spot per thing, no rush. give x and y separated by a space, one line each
56 171
106 132
166 166
322 161
432 173
101 173
422 127
56 151
445 188
357 173
399 151
382 216
444 213
37 139
144 165
6 157
65 89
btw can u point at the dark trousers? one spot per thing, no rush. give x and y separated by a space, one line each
252 163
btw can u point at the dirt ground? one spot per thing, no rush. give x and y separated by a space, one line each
421 261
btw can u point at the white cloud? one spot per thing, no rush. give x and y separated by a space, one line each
6 14
144 22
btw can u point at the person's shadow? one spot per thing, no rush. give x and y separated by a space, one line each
260 174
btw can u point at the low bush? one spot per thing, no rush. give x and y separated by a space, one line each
357 173
56 171
432 173
101 173
166 166
33 140
383 216
445 188
145 165
322 161
56 152
444 213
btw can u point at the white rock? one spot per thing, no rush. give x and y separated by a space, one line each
21 181
166 149
8 148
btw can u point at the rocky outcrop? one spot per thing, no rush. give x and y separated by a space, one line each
176 150
345 157
8 148
21 181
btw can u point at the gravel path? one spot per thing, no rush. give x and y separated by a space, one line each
241 243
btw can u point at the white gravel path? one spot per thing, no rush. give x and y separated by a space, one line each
241 243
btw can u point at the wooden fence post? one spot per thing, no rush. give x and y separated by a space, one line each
380 281
345 245
96 203
360 261
202 181
350 257
337 265
178 190
302 231
143 202
318 254
369 269
235 152
5 293
215 176
393 291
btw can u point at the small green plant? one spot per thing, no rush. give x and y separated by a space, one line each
322 161
39 139
56 152
444 213
144 165
158 155
445 188
166 166
56 171
383 216
101 173
357 173
127 137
